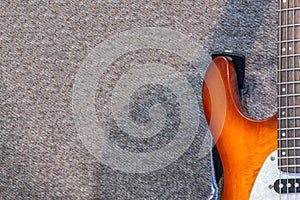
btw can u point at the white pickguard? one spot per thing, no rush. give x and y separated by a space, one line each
269 173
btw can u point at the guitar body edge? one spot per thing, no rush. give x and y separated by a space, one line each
243 143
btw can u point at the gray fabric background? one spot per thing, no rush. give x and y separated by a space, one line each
43 45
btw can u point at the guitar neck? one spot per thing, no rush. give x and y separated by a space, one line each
289 86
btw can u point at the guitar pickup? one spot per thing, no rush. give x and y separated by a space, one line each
285 186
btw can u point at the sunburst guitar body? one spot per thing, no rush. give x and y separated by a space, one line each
260 158
243 143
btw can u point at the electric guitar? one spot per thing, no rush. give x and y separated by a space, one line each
260 158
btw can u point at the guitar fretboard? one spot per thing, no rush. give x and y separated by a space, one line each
289 86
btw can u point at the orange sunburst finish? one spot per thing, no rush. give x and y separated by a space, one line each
243 143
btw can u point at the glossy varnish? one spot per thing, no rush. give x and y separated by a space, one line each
243 143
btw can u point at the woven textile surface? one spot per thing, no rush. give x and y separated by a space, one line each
102 99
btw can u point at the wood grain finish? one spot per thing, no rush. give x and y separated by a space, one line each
243 143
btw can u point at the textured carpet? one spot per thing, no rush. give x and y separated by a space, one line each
102 99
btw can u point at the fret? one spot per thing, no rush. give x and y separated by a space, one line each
287 107
290 162
289 148
288 69
288 9
284 158
290 165
290 128
288 25
291 55
281 118
288 41
290 139
288 95
289 83
290 157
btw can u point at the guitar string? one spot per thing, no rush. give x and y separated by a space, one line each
280 73
285 91
292 77
283 62
295 51
294 98
286 22
292 49
295 12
